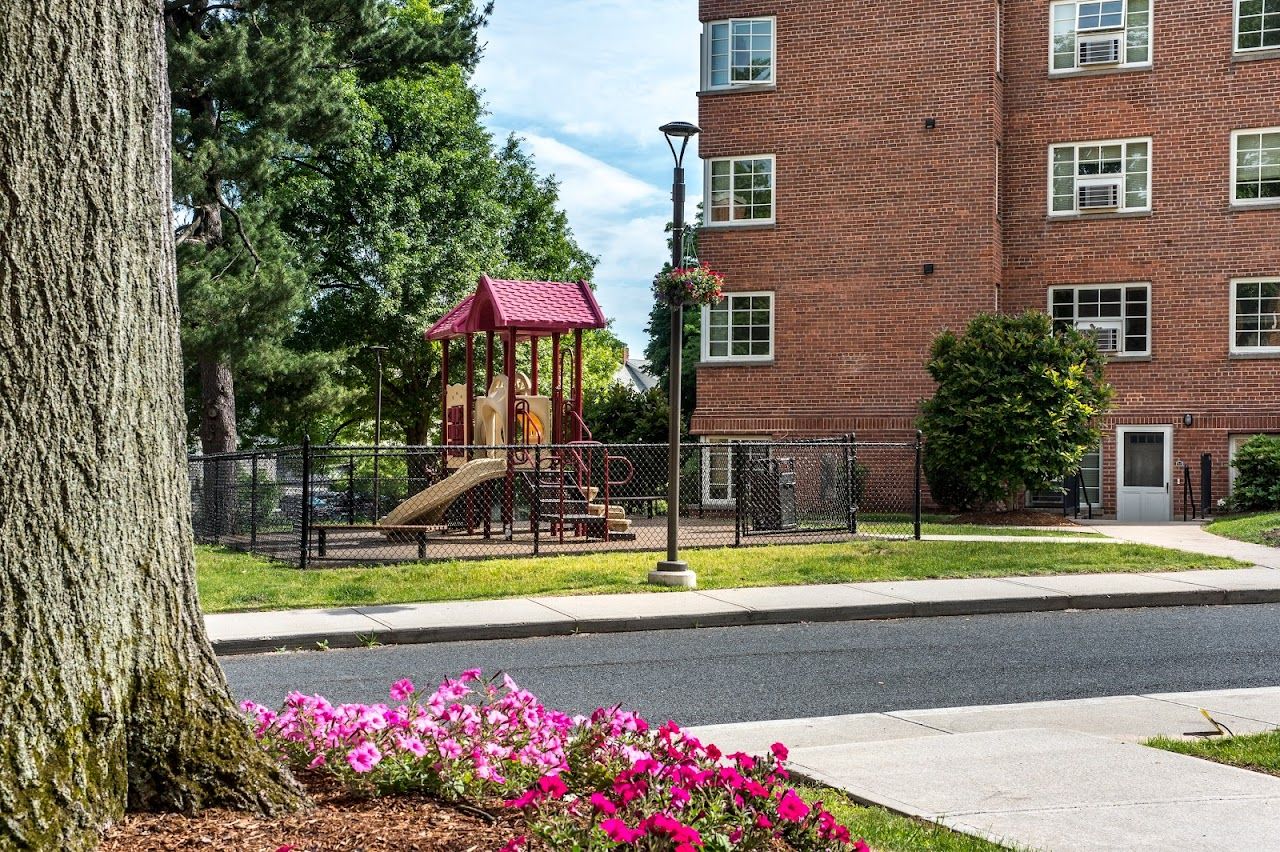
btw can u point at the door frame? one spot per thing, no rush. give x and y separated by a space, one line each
1121 431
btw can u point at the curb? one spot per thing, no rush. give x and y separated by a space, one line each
1036 599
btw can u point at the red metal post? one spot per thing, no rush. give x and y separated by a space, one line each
444 392
488 360
557 391
577 383
533 366
469 428
508 505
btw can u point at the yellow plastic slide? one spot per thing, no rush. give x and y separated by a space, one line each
428 505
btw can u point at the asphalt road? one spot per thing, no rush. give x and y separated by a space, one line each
730 674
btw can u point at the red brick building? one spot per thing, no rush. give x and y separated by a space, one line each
876 172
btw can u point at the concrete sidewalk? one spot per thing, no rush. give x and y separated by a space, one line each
241 633
1059 775
1189 536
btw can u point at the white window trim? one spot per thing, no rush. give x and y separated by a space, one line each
1235 34
1084 491
1075 212
1235 147
1114 356
738 223
1231 329
729 359
1076 69
706 55
706 467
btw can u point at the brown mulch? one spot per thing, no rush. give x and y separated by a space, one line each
337 822
1015 518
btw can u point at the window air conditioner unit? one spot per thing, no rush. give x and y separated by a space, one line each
1101 50
1105 334
1096 196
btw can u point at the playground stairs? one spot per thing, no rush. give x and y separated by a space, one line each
561 502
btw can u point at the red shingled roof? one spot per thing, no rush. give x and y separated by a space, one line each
537 306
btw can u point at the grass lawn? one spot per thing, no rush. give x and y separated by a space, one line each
1246 527
1259 752
889 832
231 581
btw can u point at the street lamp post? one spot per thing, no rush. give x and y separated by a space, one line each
672 571
378 352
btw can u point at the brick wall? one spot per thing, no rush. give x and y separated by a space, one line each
865 196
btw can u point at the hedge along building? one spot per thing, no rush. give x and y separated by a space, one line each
876 172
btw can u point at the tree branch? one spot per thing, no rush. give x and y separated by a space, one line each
244 237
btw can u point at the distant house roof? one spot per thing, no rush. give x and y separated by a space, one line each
543 307
634 373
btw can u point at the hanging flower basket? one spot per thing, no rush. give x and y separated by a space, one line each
689 285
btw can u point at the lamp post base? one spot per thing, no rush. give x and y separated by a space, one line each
675 574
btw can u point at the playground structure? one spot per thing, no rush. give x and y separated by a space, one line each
504 437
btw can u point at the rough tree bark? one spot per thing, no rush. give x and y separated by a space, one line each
111 695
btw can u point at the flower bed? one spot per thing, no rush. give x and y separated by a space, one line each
606 781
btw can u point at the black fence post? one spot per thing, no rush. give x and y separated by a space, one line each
253 502
303 551
852 480
351 490
535 499
919 467
1206 484
739 491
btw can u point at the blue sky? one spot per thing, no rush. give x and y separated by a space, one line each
586 84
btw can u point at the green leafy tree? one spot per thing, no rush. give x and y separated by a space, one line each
1257 464
255 85
398 220
624 415
1017 407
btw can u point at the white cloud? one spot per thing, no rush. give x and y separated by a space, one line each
587 186
586 84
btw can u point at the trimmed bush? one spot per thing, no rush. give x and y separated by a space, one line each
1016 408
1257 464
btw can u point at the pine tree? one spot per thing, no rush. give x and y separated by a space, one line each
256 84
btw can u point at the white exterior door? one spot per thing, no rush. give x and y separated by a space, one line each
1144 466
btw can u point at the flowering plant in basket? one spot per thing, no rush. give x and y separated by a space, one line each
689 285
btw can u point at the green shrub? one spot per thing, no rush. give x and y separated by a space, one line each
1016 408
1257 464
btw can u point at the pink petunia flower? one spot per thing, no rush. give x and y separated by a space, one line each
401 689
603 804
364 757
619 832
791 807
779 751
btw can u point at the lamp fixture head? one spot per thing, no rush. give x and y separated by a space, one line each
682 130
1188 419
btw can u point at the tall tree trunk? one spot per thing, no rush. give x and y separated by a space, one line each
217 435
111 695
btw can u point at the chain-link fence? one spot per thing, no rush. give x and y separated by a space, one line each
336 505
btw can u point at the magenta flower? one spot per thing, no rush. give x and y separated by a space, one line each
603 804
364 757
401 689
619 832
791 807
552 786
779 751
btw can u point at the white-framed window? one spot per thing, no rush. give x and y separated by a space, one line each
1091 489
1255 166
1257 25
1112 176
1117 316
740 190
1255 315
718 485
1099 34
738 328
738 52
